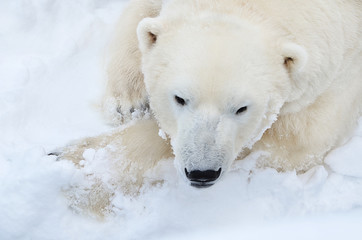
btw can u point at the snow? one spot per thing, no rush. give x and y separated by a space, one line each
52 67
162 134
347 159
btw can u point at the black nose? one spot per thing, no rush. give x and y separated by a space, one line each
202 178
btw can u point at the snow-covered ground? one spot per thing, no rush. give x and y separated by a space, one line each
51 78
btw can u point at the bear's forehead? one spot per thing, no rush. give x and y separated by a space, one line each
213 44
217 57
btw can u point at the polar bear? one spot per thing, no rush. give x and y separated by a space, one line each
227 78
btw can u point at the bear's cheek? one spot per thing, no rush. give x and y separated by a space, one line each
166 119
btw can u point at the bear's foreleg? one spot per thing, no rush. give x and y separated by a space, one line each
125 90
128 152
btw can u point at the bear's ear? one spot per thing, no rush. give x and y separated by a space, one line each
147 32
295 57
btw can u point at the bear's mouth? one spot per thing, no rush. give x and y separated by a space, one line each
202 179
202 184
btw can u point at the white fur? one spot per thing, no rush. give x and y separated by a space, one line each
219 57
295 64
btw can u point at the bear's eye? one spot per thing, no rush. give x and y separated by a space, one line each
241 110
180 101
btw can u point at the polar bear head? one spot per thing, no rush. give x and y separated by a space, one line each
215 86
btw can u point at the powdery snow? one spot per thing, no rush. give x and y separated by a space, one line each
347 159
51 78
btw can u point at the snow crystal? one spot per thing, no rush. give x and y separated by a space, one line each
162 134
